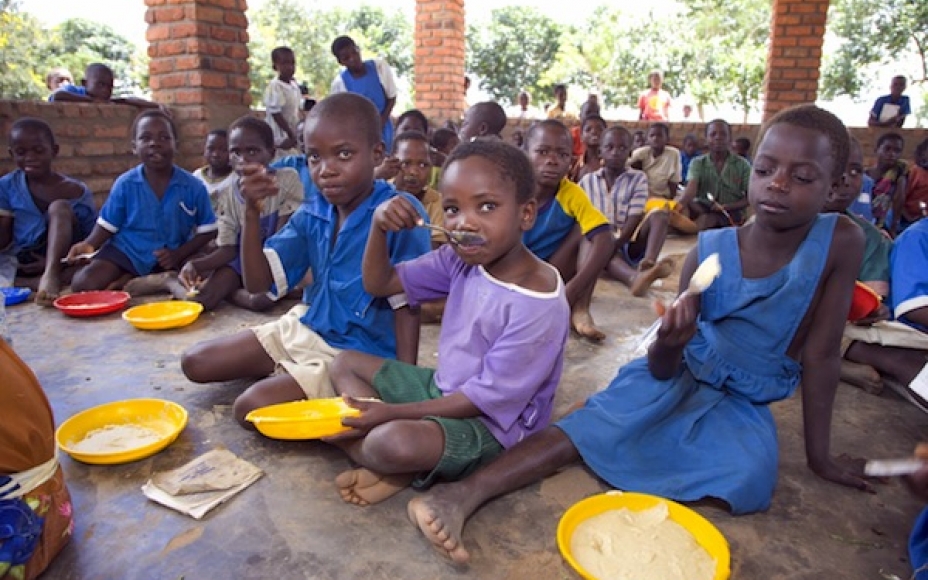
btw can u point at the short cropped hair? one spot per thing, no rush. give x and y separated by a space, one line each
279 52
512 163
218 133
817 119
96 68
921 149
257 126
719 121
415 114
152 114
546 124
692 137
441 137
662 126
891 136
626 134
33 124
589 118
350 109
409 136
491 113
341 43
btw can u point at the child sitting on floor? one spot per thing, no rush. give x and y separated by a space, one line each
889 176
442 424
591 132
621 192
484 120
916 197
42 212
156 216
692 419
217 276
569 232
326 237
411 120
217 174
411 149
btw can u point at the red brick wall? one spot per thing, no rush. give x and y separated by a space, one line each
797 31
439 58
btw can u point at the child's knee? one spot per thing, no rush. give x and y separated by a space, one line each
390 444
341 367
60 208
240 409
192 363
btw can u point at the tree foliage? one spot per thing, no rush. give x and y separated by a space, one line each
18 78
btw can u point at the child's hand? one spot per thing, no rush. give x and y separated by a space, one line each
880 314
256 184
678 321
79 249
373 413
388 169
190 277
396 214
918 481
167 259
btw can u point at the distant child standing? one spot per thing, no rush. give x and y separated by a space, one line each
217 276
156 216
501 299
283 99
559 110
325 237
654 104
217 174
42 212
411 149
890 183
569 232
621 193
372 78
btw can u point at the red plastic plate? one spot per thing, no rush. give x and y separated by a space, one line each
95 303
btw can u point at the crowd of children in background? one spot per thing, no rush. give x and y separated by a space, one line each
327 202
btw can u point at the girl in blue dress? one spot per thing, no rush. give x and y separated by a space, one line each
691 419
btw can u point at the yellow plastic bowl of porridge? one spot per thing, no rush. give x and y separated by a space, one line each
706 535
310 419
163 315
121 431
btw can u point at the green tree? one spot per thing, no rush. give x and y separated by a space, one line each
513 52
18 31
874 32
77 42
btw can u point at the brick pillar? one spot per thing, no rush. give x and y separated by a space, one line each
796 34
439 58
198 66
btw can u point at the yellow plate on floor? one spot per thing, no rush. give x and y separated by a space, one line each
706 534
310 419
121 431
163 315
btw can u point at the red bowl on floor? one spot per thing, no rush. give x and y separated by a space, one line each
864 302
94 303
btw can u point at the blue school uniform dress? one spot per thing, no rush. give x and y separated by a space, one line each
141 223
30 224
708 431
370 86
340 311
556 219
909 288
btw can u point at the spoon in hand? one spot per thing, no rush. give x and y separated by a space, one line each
456 237
80 257
719 207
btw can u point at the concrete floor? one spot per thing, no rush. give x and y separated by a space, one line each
292 525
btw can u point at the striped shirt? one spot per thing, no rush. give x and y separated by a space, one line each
624 201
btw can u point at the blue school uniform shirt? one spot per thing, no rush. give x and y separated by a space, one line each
73 89
30 224
297 162
904 107
909 272
370 86
141 223
340 310
861 205
570 206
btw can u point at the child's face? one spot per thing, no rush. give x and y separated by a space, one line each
592 133
476 198
657 139
341 160
154 143
246 147
655 81
791 177
690 146
848 189
614 150
350 58
549 150
216 152
639 140
32 152
99 85
452 143
285 65
922 158
897 86
561 96
719 138
888 153
415 166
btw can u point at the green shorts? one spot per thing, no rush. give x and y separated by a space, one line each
468 442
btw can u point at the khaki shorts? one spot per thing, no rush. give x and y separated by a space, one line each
299 352
885 333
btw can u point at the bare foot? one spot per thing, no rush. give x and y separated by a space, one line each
645 278
862 376
49 289
363 487
583 324
441 523
151 284
645 264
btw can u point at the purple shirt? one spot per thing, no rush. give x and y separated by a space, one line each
501 345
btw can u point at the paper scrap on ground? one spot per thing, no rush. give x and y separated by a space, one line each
202 484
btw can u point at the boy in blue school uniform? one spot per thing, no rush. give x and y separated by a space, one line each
325 236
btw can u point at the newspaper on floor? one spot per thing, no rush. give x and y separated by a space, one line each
202 484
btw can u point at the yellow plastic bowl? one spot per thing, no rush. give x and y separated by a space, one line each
707 535
167 418
309 419
163 315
